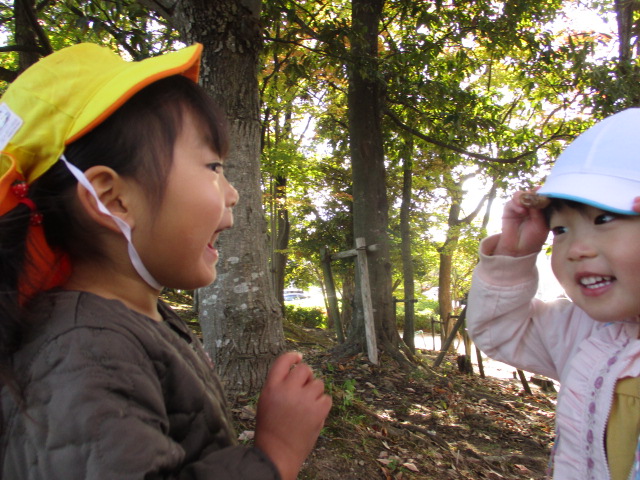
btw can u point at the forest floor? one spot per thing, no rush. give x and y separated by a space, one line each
389 422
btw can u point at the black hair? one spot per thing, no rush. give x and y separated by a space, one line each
137 142
558 204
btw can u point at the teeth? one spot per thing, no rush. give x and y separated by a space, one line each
595 281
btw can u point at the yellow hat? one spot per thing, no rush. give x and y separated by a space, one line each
67 94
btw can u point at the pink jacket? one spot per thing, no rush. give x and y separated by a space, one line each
560 341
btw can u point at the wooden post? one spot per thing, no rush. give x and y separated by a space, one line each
480 364
369 326
334 312
524 382
433 332
360 252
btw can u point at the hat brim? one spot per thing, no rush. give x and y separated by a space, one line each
612 194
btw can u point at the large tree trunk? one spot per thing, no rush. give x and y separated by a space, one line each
240 317
27 32
370 209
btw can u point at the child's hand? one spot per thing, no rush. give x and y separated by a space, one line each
291 412
524 229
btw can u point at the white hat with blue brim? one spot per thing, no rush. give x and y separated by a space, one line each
601 167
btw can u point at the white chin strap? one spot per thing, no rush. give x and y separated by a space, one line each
122 225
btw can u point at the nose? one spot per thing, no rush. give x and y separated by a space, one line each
581 248
231 196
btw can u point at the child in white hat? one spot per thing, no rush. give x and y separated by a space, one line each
589 343
112 186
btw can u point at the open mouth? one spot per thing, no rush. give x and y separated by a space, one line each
213 240
596 281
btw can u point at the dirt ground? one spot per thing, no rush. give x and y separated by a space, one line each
393 423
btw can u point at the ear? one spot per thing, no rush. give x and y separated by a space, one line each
112 191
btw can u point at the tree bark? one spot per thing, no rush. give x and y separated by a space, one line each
444 292
624 16
407 260
446 261
280 232
26 36
370 207
280 225
240 317
450 245
348 296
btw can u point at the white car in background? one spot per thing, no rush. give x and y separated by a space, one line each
293 294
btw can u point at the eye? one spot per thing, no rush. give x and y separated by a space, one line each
604 218
216 167
559 230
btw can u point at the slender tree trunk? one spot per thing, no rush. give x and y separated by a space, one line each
281 227
490 199
348 295
628 44
448 249
240 317
444 293
446 254
624 16
280 232
407 261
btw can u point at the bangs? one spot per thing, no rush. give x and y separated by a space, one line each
211 120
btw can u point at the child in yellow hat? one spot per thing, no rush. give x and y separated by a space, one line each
112 186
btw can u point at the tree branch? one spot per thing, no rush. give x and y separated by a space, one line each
164 9
45 44
448 146
19 48
468 219
7 75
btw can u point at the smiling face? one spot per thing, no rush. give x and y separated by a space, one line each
596 259
176 239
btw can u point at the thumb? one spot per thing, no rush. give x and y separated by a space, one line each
282 365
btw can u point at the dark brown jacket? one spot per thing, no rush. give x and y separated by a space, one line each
112 394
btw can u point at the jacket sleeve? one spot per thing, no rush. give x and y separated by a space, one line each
95 409
508 324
